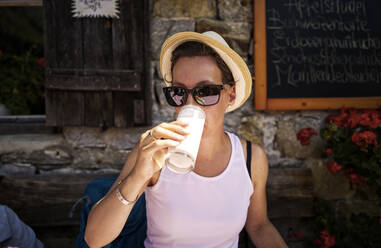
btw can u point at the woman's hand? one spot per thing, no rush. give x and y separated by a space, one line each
153 147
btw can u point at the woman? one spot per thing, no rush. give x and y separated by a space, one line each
209 206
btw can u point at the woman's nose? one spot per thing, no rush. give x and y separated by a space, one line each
190 100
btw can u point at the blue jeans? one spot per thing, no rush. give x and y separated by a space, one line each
14 232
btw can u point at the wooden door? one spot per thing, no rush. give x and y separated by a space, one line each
97 69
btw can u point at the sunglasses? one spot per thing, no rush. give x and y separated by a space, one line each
205 95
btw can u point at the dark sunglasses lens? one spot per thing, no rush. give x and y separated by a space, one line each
207 95
176 96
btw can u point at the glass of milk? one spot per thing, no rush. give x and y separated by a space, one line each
181 159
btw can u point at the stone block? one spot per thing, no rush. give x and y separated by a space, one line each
251 130
163 113
28 142
289 146
236 34
84 137
155 64
181 8
326 185
17 157
286 140
17 170
52 157
115 138
263 127
235 10
232 121
123 139
209 24
94 149
163 28
240 45
97 158
161 110
158 95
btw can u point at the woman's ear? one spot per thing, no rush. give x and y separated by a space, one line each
232 94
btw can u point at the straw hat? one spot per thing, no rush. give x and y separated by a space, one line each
237 66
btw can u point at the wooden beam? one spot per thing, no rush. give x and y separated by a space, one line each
323 103
290 193
93 80
260 62
18 124
20 3
45 200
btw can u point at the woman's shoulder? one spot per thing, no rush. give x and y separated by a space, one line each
259 164
257 150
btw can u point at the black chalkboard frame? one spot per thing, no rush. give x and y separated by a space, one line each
262 102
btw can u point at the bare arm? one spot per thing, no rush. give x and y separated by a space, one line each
108 216
260 229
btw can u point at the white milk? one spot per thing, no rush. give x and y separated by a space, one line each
182 158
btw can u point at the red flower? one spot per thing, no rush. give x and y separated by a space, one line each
365 138
330 242
365 119
370 118
41 61
355 179
352 121
350 118
329 118
329 151
335 119
326 240
1 53
304 135
334 167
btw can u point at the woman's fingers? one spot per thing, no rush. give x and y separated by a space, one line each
154 144
159 158
156 150
174 130
160 144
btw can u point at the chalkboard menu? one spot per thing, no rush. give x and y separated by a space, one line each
320 49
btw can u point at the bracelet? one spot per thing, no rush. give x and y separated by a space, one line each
122 199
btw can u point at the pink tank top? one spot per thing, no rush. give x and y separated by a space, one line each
190 210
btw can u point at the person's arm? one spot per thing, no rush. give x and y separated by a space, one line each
13 231
108 216
261 231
